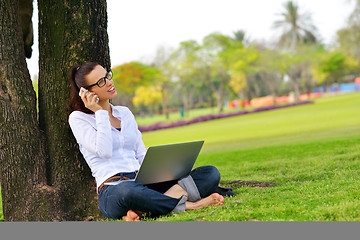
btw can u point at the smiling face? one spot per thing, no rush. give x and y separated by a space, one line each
105 92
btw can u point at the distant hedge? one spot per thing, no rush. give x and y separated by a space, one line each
160 125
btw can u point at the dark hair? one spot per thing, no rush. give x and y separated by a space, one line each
77 76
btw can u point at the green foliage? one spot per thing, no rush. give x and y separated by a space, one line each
299 65
224 57
186 63
332 66
349 37
129 76
187 69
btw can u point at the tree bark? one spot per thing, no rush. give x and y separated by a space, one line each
218 95
25 15
42 173
70 32
25 194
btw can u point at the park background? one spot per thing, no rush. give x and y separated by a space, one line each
282 109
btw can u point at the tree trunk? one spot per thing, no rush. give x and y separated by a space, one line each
241 95
70 32
185 97
270 82
25 194
297 89
218 95
220 104
201 99
42 173
221 93
191 97
248 93
165 103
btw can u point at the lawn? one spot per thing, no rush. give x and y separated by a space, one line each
315 182
312 153
328 118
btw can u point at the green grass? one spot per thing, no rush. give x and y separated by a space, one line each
316 182
312 152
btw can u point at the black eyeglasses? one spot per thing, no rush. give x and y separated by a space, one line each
102 81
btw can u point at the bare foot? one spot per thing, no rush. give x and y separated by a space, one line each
213 199
131 216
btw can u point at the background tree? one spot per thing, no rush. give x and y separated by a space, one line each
43 175
270 68
305 56
298 65
311 56
243 61
217 52
296 27
238 84
149 96
185 65
241 36
333 66
348 37
162 61
129 76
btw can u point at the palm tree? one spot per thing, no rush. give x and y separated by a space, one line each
296 27
241 36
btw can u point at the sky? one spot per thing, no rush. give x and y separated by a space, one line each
136 28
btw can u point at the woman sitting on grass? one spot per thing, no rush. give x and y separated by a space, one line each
112 146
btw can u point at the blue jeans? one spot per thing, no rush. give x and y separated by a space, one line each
116 200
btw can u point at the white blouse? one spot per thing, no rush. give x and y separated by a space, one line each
107 150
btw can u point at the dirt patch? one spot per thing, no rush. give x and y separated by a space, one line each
255 184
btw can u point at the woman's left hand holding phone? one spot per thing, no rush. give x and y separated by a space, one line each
90 100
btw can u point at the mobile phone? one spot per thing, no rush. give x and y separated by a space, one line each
83 89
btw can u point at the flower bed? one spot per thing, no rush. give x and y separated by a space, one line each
158 126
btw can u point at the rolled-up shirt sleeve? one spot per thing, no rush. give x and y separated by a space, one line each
97 141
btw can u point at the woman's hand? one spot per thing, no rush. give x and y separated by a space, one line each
90 101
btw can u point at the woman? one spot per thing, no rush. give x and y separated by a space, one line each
111 144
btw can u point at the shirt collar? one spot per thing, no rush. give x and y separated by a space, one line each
115 111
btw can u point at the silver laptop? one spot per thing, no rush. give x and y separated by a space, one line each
168 162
